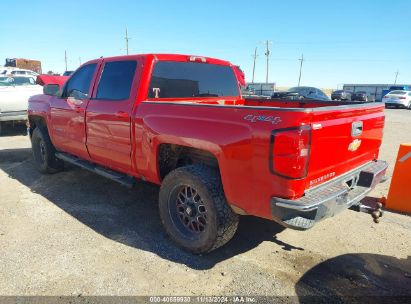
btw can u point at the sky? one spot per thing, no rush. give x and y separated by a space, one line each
342 41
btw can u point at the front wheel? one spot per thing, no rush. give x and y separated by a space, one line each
194 211
44 152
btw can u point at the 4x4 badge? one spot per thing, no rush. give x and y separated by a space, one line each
255 118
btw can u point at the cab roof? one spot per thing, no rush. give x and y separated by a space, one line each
171 57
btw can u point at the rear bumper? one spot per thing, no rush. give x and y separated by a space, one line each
328 199
13 115
396 104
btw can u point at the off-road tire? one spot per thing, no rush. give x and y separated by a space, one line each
221 223
44 152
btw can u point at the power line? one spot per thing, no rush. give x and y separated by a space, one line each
396 76
254 57
301 67
65 58
267 54
127 39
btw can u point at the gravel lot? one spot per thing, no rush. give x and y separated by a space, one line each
76 233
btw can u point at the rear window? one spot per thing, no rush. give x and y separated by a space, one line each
172 79
398 92
116 80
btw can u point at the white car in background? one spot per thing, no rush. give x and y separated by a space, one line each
398 99
14 94
17 72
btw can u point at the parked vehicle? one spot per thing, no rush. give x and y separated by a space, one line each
14 93
394 88
247 92
307 93
341 95
281 95
4 71
45 79
363 96
180 121
67 73
17 72
262 88
398 99
21 72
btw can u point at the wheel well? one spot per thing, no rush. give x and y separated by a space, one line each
37 122
172 156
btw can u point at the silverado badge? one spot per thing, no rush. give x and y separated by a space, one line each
354 145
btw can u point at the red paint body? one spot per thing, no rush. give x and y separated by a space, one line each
125 136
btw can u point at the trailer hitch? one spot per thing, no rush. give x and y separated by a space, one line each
375 211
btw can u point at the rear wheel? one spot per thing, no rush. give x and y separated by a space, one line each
194 211
409 105
44 152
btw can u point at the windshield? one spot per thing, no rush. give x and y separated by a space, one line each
16 81
173 79
397 92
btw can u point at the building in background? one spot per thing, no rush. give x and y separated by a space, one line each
28 64
261 88
376 90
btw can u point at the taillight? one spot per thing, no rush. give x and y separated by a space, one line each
197 59
401 98
290 152
385 96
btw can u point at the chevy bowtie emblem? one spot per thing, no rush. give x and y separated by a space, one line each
354 145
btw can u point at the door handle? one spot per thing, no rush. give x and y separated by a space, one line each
121 114
76 102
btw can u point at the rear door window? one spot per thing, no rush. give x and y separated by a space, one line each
116 80
172 79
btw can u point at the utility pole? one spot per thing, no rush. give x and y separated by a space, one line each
254 57
396 76
127 39
65 58
301 67
267 53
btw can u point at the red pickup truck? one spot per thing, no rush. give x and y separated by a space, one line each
180 121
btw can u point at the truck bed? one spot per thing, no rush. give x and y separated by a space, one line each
240 135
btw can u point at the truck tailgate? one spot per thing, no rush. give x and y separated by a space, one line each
343 140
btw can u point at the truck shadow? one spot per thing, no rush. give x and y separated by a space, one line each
129 216
357 278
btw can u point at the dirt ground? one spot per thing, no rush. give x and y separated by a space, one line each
76 233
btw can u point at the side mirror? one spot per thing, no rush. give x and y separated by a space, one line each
51 89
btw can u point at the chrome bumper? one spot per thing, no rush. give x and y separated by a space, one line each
329 199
